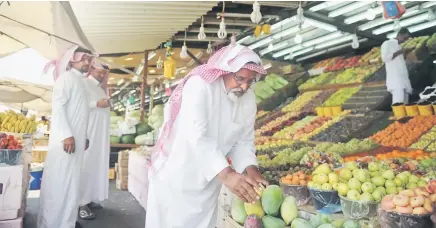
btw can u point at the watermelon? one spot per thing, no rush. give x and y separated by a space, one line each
114 139
128 139
142 128
272 198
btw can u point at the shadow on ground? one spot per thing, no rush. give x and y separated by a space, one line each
120 210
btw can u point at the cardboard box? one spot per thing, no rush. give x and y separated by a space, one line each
39 156
111 174
11 191
123 156
16 223
122 184
40 142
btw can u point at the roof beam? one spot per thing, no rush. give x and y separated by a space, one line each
342 26
213 30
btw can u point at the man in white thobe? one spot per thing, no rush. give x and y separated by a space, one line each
59 200
397 76
209 116
95 182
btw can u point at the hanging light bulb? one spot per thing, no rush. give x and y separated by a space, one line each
256 16
271 47
184 51
355 43
202 34
397 25
222 33
233 40
300 14
298 38
159 63
209 48
370 14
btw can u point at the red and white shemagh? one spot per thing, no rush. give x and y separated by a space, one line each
97 65
229 59
61 64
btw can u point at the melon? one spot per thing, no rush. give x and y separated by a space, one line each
252 221
238 210
254 209
351 224
114 139
301 223
140 139
128 139
142 128
272 198
289 209
272 222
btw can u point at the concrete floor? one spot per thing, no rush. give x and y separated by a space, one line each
120 210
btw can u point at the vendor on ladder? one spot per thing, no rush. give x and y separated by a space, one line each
397 76
209 116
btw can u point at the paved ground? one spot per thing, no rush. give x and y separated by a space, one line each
121 210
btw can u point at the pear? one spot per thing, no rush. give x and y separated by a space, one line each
323 168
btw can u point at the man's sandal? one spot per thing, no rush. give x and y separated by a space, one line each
85 213
93 205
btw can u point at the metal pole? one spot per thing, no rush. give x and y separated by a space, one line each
144 86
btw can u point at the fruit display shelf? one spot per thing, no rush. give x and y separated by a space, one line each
268 118
288 132
278 97
354 146
400 134
279 123
340 97
317 81
376 126
300 101
317 101
425 141
355 75
348 127
368 98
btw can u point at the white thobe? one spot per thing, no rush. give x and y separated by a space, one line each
95 182
209 127
59 200
397 76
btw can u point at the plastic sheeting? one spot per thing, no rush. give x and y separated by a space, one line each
26 24
19 94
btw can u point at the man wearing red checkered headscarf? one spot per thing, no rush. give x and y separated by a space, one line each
209 116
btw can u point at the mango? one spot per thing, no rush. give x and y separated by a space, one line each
300 223
252 221
272 222
272 198
238 210
289 209
254 209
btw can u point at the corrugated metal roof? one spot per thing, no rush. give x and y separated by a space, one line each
115 27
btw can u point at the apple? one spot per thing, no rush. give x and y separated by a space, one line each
333 178
351 165
355 172
390 183
368 187
354 184
378 195
408 192
413 179
316 186
343 189
411 185
321 178
422 183
373 166
366 197
327 187
403 177
374 174
363 175
346 174
353 195
391 190
388 174
378 181
381 189
335 186
398 182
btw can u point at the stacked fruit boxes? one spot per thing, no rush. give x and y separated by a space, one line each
122 170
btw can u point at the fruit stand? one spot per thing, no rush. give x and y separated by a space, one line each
331 150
